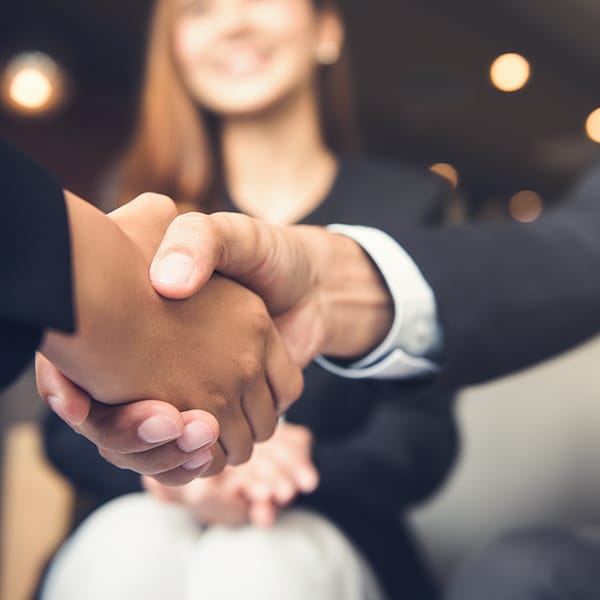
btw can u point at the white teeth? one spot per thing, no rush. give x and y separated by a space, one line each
242 63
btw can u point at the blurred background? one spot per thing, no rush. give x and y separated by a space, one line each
435 87
422 77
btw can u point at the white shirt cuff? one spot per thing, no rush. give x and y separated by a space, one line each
415 331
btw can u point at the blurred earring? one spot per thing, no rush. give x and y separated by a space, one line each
328 53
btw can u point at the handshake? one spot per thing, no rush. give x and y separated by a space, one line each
192 331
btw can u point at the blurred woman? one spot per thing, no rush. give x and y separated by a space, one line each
247 106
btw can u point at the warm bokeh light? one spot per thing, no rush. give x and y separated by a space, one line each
31 89
33 84
526 206
592 126
446 171
510 72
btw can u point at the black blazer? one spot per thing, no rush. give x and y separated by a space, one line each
35 268
510 295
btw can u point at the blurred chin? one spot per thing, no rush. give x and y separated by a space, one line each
239 101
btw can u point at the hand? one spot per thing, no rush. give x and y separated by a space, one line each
147 436
209 500
218 351
279 469
324 293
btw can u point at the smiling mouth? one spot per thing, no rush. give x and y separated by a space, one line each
242 63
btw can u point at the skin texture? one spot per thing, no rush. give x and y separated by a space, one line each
218 351
278 470
327 294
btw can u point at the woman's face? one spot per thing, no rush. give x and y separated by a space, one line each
239 57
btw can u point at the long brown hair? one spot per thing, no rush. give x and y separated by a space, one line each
174 148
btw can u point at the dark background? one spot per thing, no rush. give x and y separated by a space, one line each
421 72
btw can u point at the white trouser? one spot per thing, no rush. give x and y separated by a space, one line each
136 547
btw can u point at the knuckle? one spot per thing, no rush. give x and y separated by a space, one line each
266 430
225 407
160 203
191 220
242 452
251 366
258 315
294 387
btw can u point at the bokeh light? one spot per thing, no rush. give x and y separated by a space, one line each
592 126
526 206
446 171
510 72
34 84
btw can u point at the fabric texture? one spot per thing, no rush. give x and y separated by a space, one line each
36 265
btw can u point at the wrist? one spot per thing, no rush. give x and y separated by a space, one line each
355 304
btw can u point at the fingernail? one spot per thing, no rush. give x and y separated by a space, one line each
57 404
175 268
307 481
199 459
158 429
195 436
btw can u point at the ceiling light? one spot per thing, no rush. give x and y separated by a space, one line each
510 72
33 84
592 126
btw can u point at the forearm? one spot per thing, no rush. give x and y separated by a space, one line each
506 309
111 297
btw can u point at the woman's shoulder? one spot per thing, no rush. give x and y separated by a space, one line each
390 172
370 189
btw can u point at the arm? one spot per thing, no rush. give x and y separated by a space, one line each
510 295
35 270
402 453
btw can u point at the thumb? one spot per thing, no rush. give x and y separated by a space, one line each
273 261
145 219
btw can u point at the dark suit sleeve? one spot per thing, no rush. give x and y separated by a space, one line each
401 455
35 269
510 295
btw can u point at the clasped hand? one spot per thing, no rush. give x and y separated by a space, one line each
214 354
279 470
215 358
